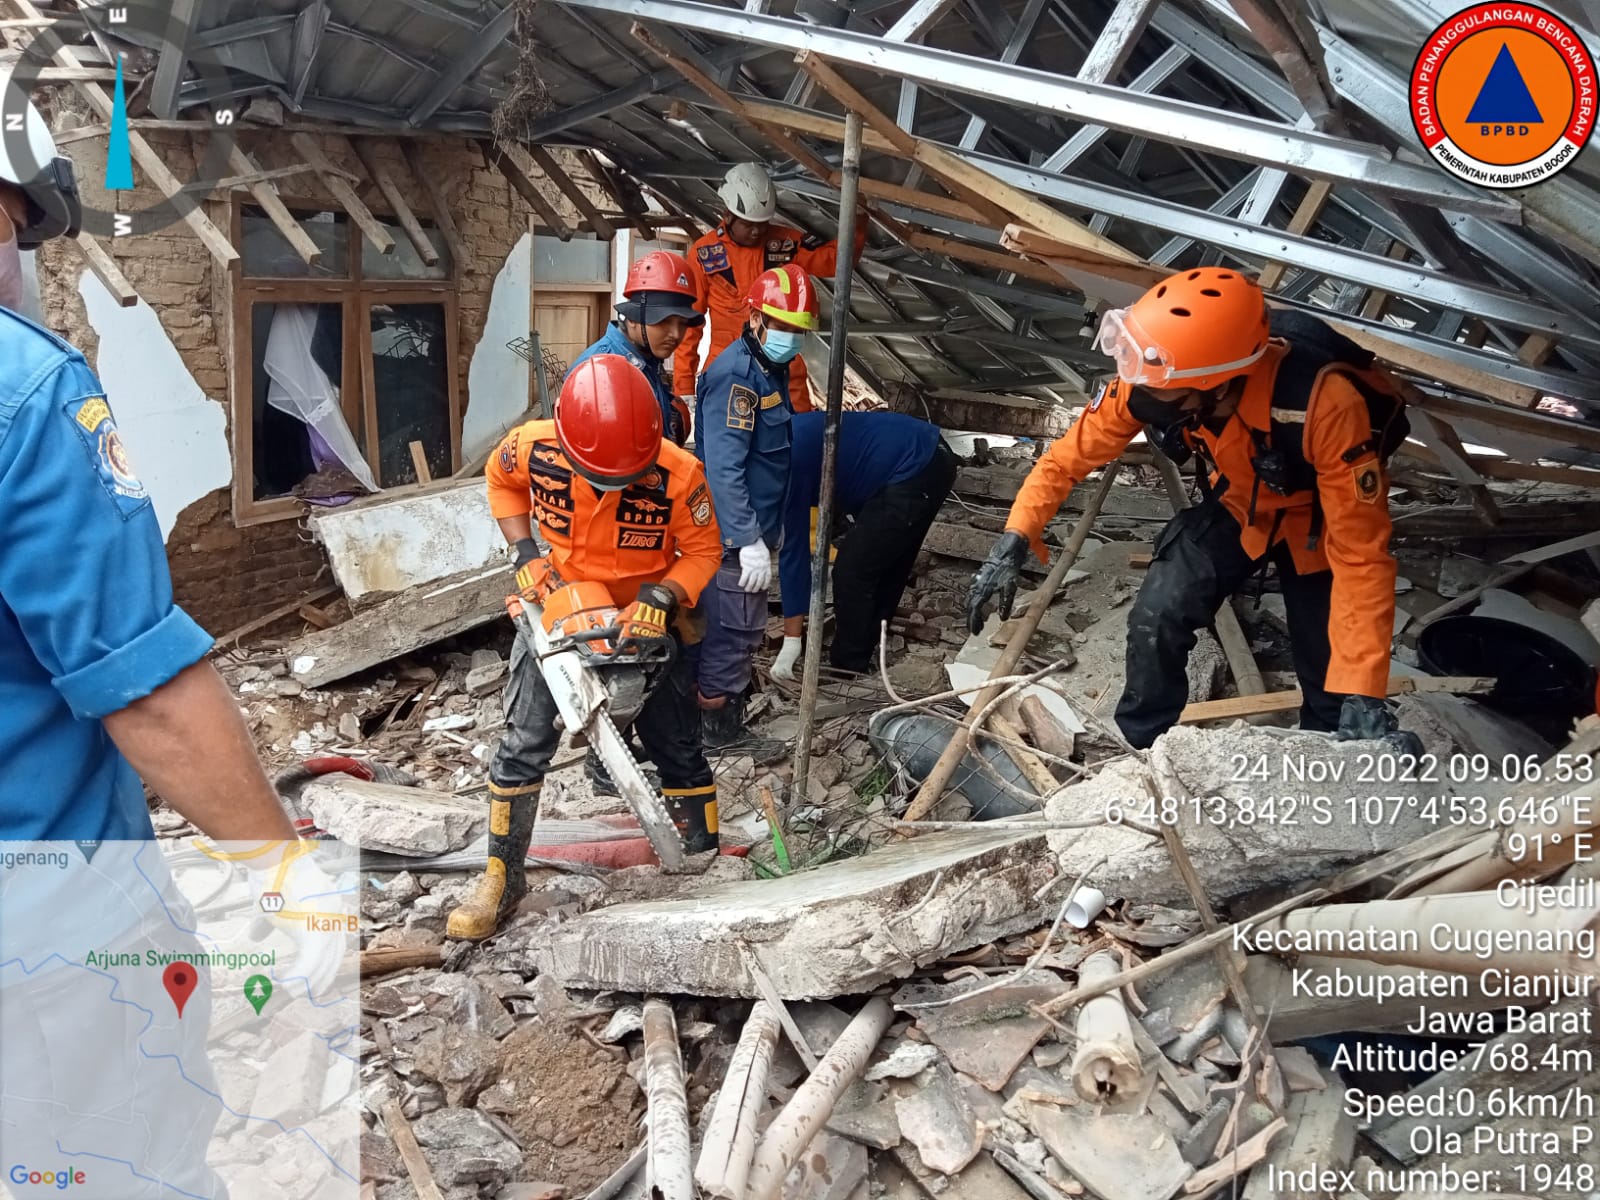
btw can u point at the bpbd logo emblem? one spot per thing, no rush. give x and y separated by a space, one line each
1503 95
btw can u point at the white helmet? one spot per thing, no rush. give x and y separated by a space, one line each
28 159
748 193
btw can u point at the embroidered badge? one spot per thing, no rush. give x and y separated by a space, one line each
813 241
771 401
1369 484
641 539
508 452
700 506
713 258
92 416
741 408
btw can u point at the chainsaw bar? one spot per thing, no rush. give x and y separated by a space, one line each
645 802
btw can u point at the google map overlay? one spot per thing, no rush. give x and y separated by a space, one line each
178 1020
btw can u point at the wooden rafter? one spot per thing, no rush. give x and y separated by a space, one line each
334 180
569 188
266 195
511 164
397 201
105 269
443 219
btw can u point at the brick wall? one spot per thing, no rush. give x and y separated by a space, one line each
226 576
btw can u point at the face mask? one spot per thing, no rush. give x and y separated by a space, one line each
783 345
11 291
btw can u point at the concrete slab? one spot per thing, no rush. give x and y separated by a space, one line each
840 930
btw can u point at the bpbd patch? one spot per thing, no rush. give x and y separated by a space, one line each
742 408
713 258
92 416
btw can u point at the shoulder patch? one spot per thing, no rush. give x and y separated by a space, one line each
700 505
772 401
742 403
713 258
108 456
1369 482
508 451
813 241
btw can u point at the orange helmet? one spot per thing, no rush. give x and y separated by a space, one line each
787 295
608 422
1197 329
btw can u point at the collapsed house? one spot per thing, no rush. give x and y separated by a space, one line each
978 948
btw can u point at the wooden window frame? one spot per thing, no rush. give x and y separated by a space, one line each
357 394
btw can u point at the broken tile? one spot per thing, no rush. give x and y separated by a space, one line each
991 1053
866 1115
937 1120
1121 1156
1300 1070
1200 1143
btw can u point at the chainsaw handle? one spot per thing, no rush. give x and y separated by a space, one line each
663 653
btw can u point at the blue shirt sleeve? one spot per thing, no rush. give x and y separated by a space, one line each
794 560
84 568
725 429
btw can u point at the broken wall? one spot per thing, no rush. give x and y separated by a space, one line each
169 366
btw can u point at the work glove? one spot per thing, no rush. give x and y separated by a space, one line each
536 577
783 668
1366 718
755 567
997 577
645 620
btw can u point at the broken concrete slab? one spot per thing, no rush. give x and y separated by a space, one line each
905 1061
841 929
394 820
464 1147
397 541
1219 768
1117 1156
399 625
866 1114
935 1118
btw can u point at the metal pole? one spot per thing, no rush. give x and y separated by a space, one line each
849 190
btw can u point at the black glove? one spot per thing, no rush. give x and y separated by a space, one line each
997 576
526 550
1365 718
646 619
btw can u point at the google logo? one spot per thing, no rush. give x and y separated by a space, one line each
60 1180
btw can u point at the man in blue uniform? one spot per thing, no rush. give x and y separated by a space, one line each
892 475
742 423
102 682
657 311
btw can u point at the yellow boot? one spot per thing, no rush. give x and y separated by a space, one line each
504 881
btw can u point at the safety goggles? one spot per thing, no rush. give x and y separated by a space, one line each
1141 362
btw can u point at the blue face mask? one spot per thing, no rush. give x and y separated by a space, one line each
783 345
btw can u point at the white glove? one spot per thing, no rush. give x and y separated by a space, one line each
755 567
783 668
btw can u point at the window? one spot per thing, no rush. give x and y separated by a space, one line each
342 366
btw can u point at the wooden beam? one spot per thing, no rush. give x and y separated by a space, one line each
266 195
442 217
842 90
723 99
516 171
1442 440
206 187
546 162
155 169
1118 37
332 179
277 614
1444 370
1287 701
1304 218
397 201
1557 429
1537 349
106 270
994 260
627 204
942 206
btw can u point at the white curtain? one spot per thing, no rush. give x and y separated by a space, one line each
302 389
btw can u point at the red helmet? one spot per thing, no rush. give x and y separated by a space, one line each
787 295
608 421
660 271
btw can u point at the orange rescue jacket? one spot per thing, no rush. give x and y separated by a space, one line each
723 274
661 528
1353 493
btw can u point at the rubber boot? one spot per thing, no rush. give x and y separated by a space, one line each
504 881
694 812
723 727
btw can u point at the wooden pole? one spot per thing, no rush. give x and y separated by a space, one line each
849 193
939 778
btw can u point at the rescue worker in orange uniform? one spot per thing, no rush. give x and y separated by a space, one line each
1296 478
728 260
618 505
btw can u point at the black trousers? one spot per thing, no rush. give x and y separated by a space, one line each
1199 563
877 555
668 726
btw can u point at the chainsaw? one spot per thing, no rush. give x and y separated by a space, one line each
600 684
